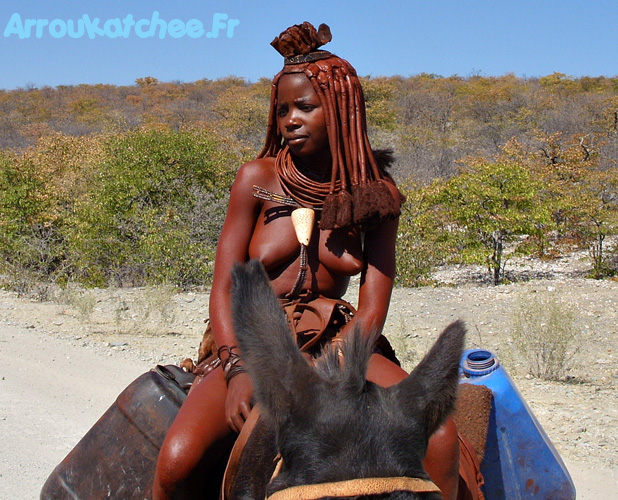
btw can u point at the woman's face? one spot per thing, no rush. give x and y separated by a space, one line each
300 116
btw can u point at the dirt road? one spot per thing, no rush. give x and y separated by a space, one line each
51 393
60 370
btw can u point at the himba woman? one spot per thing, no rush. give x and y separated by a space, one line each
317 157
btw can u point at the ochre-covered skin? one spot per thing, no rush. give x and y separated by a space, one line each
259 229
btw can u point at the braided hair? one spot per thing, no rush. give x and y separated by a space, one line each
357 193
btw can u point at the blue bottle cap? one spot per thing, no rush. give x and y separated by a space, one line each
479 362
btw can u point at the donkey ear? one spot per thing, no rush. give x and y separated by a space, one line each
274 362
430 390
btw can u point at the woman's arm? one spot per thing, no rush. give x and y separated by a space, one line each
377 277
233 247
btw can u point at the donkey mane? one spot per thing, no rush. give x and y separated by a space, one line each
330 423
350 376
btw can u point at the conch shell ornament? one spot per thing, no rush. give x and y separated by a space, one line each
303 220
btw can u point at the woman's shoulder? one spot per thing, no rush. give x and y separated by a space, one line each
260 172
258 168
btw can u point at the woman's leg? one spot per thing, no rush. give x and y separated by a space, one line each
189 445
442 458
384 372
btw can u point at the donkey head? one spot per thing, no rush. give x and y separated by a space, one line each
332 425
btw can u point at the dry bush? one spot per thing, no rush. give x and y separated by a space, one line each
148 310
80 299
545 335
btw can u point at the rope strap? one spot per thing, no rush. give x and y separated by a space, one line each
355 487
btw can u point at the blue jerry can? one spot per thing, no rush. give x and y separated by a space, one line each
520 461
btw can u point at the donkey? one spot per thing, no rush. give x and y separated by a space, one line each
337 434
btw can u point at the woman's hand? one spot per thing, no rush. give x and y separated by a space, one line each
238 402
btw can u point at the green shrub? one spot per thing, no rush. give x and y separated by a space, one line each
154 211
421 245
487 207
28 244
38 192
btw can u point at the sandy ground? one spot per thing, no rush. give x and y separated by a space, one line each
64 361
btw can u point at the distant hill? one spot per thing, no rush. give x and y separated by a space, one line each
429 121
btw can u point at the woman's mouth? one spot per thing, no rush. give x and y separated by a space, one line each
295 140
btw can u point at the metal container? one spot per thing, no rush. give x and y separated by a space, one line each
117 457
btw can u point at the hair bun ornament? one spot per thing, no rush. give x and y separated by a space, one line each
301 39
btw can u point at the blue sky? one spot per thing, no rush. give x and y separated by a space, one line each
379 37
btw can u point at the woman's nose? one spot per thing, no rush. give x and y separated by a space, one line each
292 121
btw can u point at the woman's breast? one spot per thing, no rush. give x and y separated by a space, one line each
331 275
341 252
274 243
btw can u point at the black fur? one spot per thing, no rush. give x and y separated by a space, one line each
330 423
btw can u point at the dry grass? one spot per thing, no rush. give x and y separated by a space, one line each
545 335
